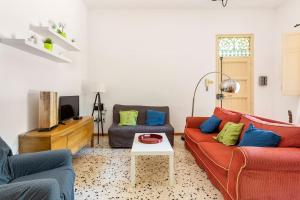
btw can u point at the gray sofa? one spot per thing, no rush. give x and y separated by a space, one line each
122 136
45 175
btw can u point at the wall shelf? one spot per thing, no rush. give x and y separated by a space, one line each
29 47
48 32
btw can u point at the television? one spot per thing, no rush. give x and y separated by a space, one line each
68 107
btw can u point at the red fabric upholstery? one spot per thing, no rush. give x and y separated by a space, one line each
194 122
213 172
247 173
226 116
290 134
264 173
217 153
197 136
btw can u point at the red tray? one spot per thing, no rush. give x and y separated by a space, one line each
150 138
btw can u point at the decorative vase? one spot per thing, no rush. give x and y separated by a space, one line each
48 46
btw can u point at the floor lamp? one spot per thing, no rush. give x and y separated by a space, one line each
98 107
229 85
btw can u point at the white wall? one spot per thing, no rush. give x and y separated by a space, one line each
155 57
23 74
287 16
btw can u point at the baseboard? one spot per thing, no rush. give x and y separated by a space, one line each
106 134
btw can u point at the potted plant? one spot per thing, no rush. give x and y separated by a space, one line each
48 44
60 30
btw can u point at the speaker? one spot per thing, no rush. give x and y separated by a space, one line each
48 110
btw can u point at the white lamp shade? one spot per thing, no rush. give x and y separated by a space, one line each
98 87
94 86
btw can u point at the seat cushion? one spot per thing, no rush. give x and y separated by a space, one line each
197 136
219 154
290 134
226 116
65 176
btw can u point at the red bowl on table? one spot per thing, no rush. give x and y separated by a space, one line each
150 138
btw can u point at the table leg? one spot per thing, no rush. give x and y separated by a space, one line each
171 169
132 175
92 141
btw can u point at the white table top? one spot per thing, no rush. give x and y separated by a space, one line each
163 148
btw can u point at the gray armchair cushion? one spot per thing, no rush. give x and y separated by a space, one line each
5 152
43 189
63 175
30 163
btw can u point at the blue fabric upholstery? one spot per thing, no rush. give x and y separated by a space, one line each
155 118
46 189
63 175
259 138
45 175
5 152
210 125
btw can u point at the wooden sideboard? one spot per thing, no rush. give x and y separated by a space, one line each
74 135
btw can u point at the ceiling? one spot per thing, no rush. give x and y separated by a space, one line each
180 4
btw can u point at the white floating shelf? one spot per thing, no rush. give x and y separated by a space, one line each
29 47
48 32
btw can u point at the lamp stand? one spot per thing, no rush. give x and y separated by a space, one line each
221 74
218 95
98 106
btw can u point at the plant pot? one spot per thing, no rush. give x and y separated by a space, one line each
63 34
48 46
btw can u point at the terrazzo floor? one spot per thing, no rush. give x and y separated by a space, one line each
104 173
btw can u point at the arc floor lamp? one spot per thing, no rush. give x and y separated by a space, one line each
228 85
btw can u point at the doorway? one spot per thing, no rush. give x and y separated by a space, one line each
237 55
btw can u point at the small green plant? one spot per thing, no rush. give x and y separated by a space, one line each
48 41
48 44
60 30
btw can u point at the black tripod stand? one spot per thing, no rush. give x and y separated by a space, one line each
98 106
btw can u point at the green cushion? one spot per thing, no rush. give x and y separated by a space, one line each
128 118
229 135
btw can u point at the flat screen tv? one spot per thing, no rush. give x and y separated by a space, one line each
68 107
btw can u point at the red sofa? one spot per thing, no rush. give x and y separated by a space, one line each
248 172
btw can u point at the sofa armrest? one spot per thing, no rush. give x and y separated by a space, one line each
194 122
33 189
30 163
264 173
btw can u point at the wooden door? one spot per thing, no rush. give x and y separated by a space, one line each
238 67
291 64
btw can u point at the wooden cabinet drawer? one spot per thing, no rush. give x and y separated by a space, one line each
59 143
77 139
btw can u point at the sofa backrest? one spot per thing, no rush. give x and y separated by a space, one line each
5 152
142 112
290 134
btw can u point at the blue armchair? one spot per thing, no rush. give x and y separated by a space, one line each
45 175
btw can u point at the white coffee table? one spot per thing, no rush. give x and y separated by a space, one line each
160 149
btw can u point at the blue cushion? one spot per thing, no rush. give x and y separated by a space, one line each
155 118
210 125
259 138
